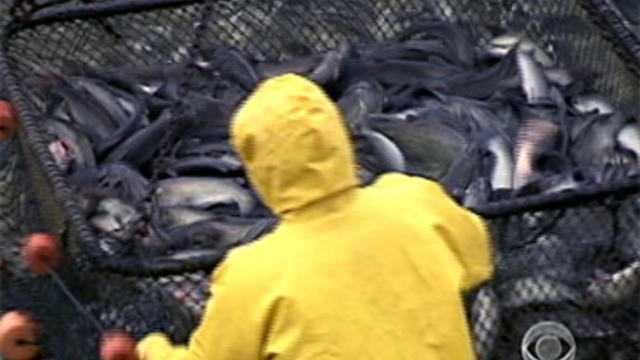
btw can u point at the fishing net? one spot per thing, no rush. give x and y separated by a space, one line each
170 304
570 260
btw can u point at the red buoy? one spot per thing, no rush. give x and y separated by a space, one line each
8 121
42 252
118 345
18 335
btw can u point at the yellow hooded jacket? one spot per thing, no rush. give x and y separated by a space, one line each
351 272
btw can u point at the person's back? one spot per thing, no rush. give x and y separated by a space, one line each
350 273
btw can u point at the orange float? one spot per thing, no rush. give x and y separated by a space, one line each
8 121
18 335
42 252
118 345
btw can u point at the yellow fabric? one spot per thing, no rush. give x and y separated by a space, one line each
350 273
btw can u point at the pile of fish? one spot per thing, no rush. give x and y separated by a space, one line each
147 148
147 151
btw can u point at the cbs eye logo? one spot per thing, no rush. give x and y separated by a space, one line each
548 340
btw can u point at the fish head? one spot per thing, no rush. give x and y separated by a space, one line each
62 154
115 217
293 143
370 93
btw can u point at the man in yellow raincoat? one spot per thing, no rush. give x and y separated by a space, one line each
351 272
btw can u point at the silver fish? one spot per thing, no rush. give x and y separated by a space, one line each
501 45
360 100
102 95
220 232
74 144
534 82
502 174
203 192
595 150
559 76
430 144
85 112
563 183
179 216
477 193
386 151
115 179
205 164
585 104
331 65
191 255
629 138
116 218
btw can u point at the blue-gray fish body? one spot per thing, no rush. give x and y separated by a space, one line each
102 94
220 232
589 103
478 193
534 82
502 174
80 147
594 151
359 100
204 164
390 157
203 192
116 218
114 179
331 65
501 45
629 138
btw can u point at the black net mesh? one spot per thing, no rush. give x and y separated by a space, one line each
171 304
577 266
281 29
574 264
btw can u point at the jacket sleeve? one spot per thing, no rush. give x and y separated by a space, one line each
227 331
465 234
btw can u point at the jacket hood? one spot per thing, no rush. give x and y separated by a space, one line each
293 142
